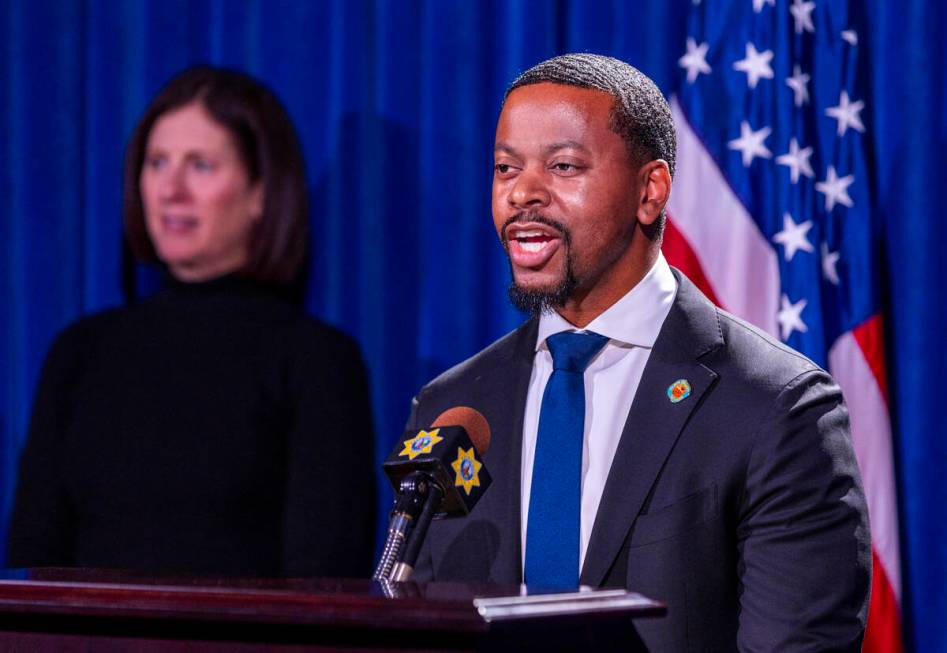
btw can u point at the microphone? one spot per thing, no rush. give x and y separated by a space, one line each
436 473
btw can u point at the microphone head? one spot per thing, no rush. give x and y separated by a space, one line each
472 421
450 451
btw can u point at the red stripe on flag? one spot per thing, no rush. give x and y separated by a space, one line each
680 254
883 634
870 338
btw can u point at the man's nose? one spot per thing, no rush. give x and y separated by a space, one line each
529 190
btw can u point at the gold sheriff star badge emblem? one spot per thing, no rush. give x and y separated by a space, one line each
423 442
467 467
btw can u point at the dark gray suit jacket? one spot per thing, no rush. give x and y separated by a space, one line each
740 506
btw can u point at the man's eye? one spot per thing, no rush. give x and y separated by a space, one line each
203 165
502 168
565 167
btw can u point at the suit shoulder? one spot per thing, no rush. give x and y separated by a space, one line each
481 362
737 349
758 358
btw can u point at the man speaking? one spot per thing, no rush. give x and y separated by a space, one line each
642 437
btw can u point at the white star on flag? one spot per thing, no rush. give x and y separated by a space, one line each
755 65
802 13
847 114
829 262
790 317
797 160
750 144
758 4
835 189
798 83
695 61
850 36
793 236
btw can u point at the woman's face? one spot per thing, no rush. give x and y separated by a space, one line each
200 205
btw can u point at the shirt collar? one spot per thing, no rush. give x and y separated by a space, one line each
635 319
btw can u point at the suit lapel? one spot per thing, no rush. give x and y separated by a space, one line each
500 394
654 423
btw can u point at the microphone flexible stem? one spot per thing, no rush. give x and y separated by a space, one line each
412 495
402 571
397 528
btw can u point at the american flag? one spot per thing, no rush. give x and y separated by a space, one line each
771 216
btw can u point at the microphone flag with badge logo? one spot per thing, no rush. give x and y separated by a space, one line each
450 457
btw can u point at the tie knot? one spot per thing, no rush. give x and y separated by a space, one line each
572 352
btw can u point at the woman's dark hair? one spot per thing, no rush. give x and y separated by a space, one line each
268 147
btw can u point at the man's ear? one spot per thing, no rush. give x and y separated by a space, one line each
655 180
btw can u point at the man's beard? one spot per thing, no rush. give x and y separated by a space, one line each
536 301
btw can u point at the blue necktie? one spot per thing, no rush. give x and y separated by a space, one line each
552 530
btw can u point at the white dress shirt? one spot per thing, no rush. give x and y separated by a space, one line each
611 380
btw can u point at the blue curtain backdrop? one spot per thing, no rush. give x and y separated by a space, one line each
396 104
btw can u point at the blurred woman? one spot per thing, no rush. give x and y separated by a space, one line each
214 427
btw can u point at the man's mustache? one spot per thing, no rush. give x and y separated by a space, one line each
535 216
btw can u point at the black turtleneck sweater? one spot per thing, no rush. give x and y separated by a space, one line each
213 428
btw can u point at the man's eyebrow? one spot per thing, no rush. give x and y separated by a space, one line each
549 149
565 145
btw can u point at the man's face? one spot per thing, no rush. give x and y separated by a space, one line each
564 195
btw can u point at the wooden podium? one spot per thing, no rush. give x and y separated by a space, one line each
78 610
